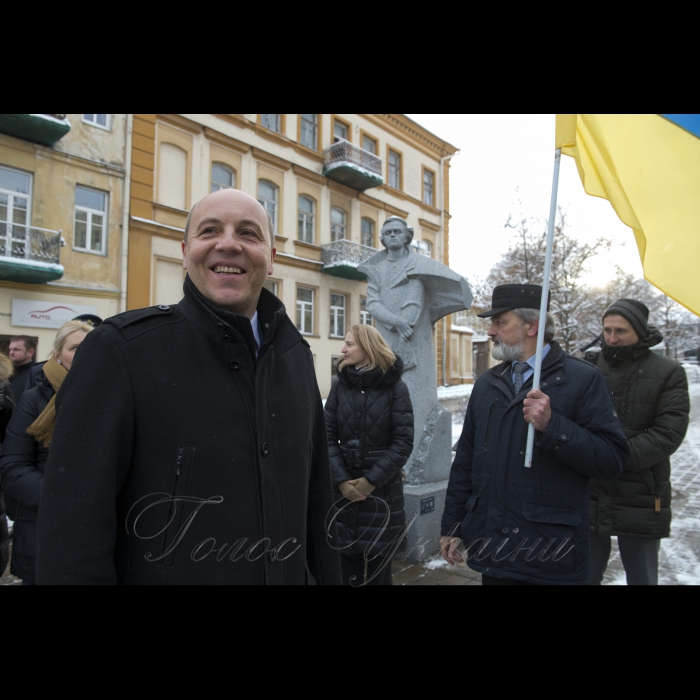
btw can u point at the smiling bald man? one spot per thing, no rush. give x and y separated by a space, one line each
190 445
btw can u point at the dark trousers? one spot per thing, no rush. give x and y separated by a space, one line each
378 570
640 558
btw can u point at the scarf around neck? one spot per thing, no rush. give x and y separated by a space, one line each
42 427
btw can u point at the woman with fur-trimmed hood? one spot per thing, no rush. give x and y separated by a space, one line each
369 420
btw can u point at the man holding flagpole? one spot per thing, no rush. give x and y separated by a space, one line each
529 524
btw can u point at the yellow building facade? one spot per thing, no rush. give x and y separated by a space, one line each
62 197
329 181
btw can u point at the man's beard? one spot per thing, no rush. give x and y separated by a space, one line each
507 353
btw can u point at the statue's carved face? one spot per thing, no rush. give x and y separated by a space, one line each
395 236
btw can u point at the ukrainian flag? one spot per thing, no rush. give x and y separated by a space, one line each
648 167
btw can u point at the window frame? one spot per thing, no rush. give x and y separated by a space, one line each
344 224
94 123
316 147
433 192
11 194
346 124
334 315
276 202
389 150
312 304
88 223
227 167
364 311
274 131
306 216
374 231
364 134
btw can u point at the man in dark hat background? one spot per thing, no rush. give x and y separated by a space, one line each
650 394
524 525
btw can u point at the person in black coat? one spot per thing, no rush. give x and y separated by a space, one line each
369 421
26 447
7 404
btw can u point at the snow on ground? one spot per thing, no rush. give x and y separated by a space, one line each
454 392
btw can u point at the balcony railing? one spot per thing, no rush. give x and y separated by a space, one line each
342 258
29 254
45 129
352 166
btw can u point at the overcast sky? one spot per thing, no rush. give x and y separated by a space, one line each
507 158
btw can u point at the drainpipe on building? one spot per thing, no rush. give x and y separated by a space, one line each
442 226
125 214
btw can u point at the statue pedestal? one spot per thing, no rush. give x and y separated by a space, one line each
427 473
424 504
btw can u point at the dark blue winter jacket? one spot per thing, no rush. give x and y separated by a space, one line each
531 524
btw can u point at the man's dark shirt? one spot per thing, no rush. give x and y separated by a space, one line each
19 379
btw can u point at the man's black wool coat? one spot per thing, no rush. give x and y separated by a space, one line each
178 458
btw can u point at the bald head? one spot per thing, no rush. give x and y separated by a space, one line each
238 196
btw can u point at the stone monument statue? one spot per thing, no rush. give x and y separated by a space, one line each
407 294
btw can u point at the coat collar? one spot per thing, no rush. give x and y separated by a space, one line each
211 319
499 375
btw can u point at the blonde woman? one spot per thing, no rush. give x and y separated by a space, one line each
26 447
369 420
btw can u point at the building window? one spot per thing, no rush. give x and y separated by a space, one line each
101 120
394 169
340 131
268 196
309 130
367 232
221 176
306 219
90 223
305 310
428 187
15 195
337 315
272 286
271 121
369 144
365 316
338 224
423 247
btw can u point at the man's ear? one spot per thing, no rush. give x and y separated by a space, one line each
273 252
184 255
534 326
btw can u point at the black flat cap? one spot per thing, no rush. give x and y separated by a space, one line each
515 296
88 318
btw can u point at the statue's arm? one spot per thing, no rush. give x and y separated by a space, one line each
403 322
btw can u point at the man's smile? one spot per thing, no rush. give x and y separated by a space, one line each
223 270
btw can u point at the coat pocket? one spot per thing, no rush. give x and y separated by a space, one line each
549 538
184 457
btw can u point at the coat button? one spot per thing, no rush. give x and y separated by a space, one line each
516 530
234 364
563 437
163 307
505 531
264 449
271 556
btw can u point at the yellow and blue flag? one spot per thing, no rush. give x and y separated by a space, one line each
648 167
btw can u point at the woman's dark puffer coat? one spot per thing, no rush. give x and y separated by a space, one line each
369 420
22 473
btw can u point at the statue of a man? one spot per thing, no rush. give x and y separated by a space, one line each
406 294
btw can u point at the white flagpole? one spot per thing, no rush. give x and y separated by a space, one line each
543 303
